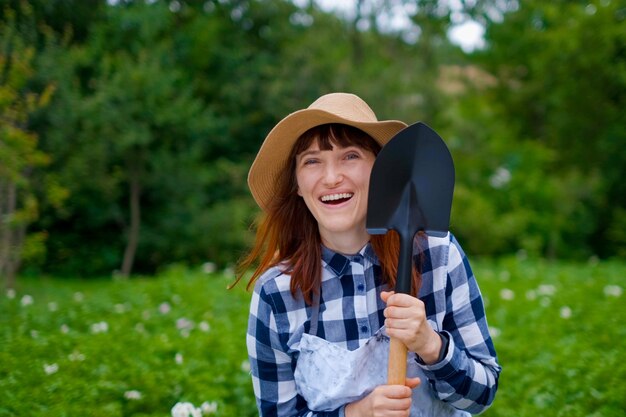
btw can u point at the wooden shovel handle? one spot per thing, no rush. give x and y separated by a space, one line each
396 371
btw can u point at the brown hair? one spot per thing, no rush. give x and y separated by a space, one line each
288 233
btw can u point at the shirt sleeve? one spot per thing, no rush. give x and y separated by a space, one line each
467 377
271 366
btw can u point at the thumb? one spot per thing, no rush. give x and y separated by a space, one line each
384 295
412 382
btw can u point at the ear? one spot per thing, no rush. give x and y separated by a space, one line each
298 191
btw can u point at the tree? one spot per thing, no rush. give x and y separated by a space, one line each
177 192
135 125
19 152
554 121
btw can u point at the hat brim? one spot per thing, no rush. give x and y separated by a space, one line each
271 160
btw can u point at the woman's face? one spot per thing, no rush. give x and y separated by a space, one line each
334 185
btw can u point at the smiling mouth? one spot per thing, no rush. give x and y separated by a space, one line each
334 199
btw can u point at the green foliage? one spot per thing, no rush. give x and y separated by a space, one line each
82 346
137 120
19 152
556 327
169 102
177 99
554 119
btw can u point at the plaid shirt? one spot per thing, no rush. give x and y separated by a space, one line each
351 311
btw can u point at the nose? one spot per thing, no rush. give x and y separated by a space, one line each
333 175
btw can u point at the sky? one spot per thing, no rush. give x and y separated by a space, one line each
467 34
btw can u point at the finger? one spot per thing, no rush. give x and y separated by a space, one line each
402 300
396 391
411 324
396 312
396 325
413 382
403 404
406 336
384 295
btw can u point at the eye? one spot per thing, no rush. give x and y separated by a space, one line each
352 155
309 161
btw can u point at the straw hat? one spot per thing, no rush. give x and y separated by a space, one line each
331 108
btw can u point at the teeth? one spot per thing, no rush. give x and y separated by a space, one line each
333 197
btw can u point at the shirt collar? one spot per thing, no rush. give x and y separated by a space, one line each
368 252
339 263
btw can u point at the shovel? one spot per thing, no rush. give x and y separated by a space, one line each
410 190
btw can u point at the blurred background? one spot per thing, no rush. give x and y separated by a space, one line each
127 128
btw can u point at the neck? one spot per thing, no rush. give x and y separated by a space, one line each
346 244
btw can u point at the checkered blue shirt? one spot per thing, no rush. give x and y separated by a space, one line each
351 311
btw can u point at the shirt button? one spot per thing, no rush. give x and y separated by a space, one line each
364 329
360 287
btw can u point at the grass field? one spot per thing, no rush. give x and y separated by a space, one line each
101 347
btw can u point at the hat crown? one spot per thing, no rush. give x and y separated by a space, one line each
345 105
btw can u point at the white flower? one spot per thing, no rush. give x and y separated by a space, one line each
494 331
185 326
565 312
79 297
65 329
132 395
500 178
50 369
545 302
507 294
209 407
11 293
546 289
183 323
76 356
531 295
204 326
228 271
34 334
52 306
119 308
245 366
613 291
26 300
140 328
145 314
100 327
164 308
185 410
209 267
178 359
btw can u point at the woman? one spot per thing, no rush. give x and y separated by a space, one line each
322 310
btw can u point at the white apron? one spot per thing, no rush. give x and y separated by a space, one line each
328 376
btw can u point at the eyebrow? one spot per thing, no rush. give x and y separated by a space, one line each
307 152
318 151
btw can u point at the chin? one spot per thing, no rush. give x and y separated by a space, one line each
341 228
